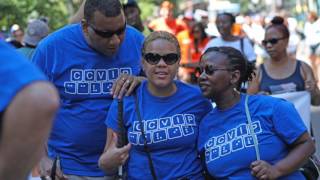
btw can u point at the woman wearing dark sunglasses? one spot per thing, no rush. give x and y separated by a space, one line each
161 119
272 144
282 73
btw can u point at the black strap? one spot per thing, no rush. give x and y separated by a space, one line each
205 173
54 169
122 139
153 172
122 132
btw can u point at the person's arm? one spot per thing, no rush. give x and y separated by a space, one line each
301 149
253 85
113 157
249 50
76 18
26 125
310 83
289 127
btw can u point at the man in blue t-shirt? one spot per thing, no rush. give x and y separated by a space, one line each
83 61
27 106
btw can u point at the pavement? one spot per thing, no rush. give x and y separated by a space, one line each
315 120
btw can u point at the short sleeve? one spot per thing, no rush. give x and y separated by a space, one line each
201 138
209 45
287 121
203 132
111 120
248 50
39 58
16 72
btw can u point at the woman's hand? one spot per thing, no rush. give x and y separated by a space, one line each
310 86
114 156
263 170
45 167
125 85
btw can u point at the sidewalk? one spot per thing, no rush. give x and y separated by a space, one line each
315 120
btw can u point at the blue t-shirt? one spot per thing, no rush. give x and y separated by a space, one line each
84 79
16 72
171 127
228 147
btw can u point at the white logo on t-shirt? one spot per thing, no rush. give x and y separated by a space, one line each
163 129
93 81
233 140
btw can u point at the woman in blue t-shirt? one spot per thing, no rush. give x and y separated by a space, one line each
277 143
161 119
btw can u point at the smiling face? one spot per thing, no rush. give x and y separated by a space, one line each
100 24
215 77
279 46
160 75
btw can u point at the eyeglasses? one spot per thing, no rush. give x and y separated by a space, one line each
153 58
210 70
272 41
109 34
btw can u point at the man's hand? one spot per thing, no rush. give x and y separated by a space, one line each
125 85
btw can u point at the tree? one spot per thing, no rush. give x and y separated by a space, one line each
19 12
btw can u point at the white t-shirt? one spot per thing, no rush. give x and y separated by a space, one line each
312 32
247 46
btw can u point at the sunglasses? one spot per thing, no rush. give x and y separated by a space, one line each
109 34
210 70
272 41
153 58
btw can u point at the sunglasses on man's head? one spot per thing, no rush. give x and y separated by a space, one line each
210 70
153 58
272 41
109 34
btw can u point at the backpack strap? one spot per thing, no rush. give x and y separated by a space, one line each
145 145
254 137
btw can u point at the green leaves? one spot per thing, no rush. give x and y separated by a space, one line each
19 12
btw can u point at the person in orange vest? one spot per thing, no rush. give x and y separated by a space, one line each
167 21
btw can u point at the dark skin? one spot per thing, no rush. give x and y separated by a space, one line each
125 84
224 25
220 86
106 46
133 17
